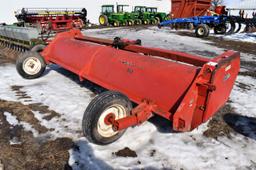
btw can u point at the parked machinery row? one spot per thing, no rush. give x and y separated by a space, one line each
139 15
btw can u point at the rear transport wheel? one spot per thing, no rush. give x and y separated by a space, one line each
30 65
94 126
202 30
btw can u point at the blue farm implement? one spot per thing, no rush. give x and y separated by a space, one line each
193 14
203 24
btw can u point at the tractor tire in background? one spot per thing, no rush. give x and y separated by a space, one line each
125 23
154 22
137 22
94 124
158 20
202 31
130 22
146 22
103 20
116 23
30 65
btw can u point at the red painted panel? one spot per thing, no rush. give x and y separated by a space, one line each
189 8
138 76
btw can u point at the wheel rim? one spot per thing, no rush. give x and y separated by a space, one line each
107 130
201 31
32 65
102 20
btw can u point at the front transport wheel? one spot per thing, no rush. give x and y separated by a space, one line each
94 123
30 65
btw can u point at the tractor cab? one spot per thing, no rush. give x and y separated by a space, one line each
141 9
122 8
111 17
151 9
107 9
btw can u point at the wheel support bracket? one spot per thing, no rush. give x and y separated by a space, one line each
139 114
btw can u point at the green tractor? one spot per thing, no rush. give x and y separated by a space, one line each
143 16
140 16
110 17
159 16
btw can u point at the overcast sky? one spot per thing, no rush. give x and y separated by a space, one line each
7 7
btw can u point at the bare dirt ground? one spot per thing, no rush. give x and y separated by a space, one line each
34 153
28 152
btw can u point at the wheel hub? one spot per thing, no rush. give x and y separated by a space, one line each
32 65
201 31
102 20
104 126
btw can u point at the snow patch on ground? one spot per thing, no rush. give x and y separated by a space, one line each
245 37
14 122
244 99
161 38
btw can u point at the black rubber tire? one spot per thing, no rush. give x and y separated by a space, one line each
220 29
239 27
116 23
146 22
94 111
38 48
202 31
105 20
232 28
125 23
130 22
158 20
154 22
23 57
138 22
